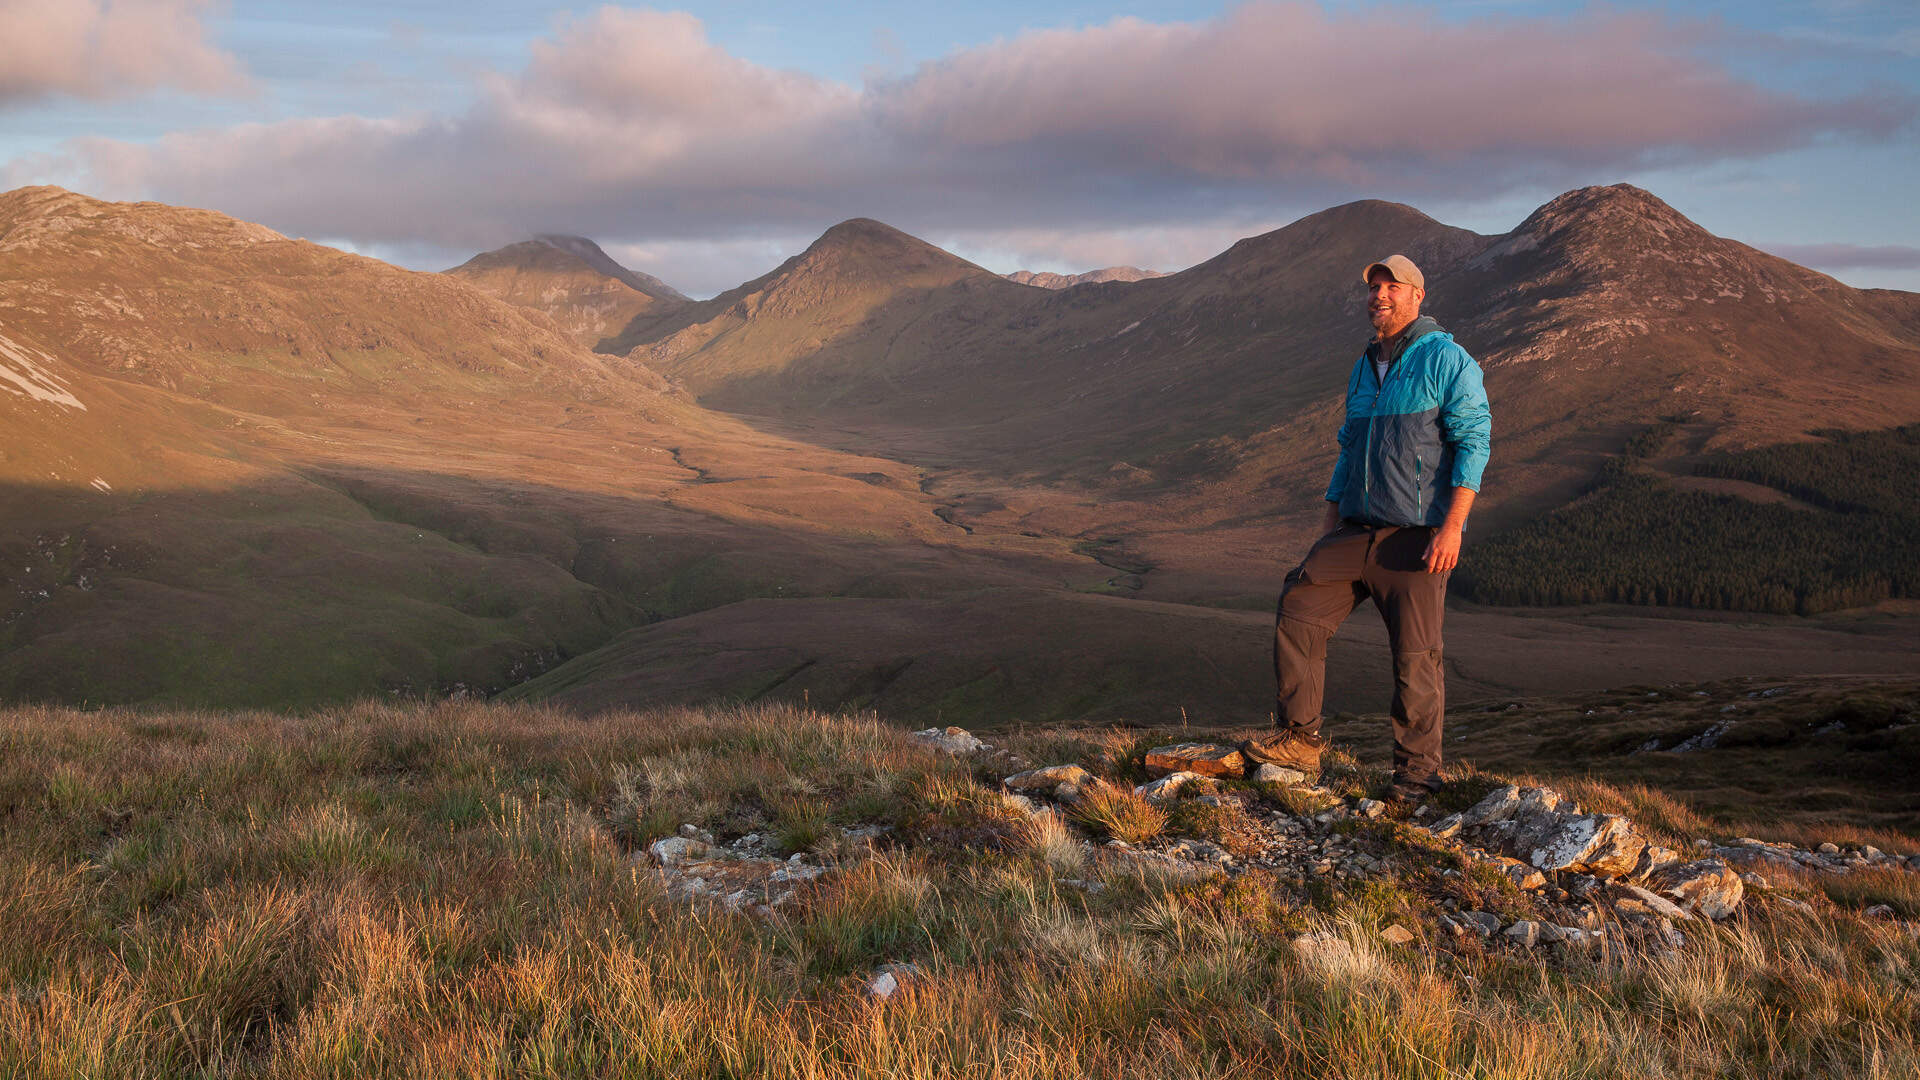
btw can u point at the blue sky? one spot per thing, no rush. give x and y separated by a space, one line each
706 141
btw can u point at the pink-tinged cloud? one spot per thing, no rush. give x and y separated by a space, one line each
631 126
109 48
1849 256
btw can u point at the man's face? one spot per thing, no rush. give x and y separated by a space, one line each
1391 304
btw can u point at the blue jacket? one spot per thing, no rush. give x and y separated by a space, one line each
1409 441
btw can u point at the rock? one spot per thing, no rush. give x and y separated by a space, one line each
1448 826
1270 773
891 979
1518 872
695 832
1051 779
1603 845
795 874
1497 806
1653 858
1658 905
1526 932
1828 849
1396 935
1674 938
675 850
1207 759
1485 923
1022 804
1879 911
1200 850
1706 886
1170 785
1370 808
1871 853
954 740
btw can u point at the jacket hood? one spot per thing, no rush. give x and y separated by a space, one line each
1420 328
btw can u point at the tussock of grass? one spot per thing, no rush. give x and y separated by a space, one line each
1898 889
1119 813
396 891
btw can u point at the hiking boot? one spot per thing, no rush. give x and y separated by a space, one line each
1287 749
1406 796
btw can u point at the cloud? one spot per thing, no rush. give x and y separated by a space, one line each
109 48
1849 256
632 126
1148 247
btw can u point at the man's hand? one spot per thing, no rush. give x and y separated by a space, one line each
1443 551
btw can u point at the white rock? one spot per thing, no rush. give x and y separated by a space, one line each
1167 787
1370 808
1707 886
1278 774
1526 932
954 740
1659 904
1050 778
675 850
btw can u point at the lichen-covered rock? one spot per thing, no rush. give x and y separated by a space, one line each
1269 773
1051 779
1170 785
1708 887
1207 759
1603 845
675 850
954 740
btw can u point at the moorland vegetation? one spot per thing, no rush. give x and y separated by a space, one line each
458 889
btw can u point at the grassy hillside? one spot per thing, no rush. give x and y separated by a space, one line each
453 890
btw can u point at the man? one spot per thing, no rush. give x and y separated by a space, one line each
1412 449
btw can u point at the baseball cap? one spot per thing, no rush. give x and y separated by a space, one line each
1399 268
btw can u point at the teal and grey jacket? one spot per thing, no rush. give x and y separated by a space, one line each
1409 440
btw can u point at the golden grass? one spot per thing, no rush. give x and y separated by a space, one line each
451 891
1119 813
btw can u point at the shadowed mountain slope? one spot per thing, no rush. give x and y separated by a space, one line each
1600 313
1081 377
241 469
572 281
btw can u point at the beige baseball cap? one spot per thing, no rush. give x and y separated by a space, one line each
1399 268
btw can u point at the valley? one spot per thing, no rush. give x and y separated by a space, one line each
241 470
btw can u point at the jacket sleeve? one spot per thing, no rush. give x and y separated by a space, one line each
1350 433
1466 423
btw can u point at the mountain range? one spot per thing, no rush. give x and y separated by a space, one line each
241 469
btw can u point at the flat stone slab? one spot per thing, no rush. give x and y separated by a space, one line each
1207 759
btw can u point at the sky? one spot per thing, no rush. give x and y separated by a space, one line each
706 142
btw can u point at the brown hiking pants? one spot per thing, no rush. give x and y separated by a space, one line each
1348 565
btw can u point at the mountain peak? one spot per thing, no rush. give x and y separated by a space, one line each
867 247
1614 213
591 253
